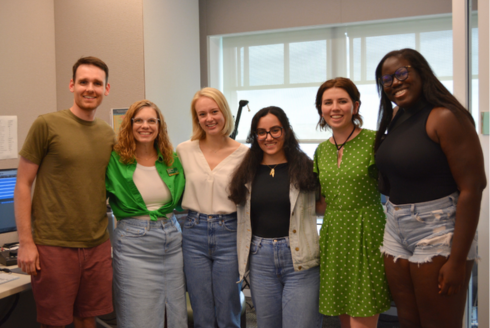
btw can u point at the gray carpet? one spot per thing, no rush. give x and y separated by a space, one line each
328 322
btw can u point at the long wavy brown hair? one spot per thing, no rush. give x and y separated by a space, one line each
126 145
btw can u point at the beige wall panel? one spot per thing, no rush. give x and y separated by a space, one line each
111 30
234 16
27 63
172 61
359 10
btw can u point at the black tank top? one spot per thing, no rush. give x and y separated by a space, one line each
414 166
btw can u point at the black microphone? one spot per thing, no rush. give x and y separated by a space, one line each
241 104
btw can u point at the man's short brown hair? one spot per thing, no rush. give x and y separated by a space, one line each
91 61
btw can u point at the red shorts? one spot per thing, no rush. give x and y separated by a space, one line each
72 282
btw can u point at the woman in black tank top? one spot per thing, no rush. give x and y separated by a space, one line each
431 167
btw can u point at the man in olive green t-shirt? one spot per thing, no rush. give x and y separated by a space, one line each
63 230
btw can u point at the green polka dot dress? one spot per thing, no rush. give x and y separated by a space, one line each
352 277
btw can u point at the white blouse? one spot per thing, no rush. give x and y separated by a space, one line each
206 191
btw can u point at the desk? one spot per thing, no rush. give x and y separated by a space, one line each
15 286
24 314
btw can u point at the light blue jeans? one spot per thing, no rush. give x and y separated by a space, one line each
282 297
149 274
211 269
418 232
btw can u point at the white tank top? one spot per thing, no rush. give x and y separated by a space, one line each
154 191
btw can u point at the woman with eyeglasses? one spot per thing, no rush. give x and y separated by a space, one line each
353 285
431 162
144 182
274 188
209 231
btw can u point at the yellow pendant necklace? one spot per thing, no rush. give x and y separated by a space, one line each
272 169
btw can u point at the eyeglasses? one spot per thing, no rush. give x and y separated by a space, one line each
140 121
401 74
275 132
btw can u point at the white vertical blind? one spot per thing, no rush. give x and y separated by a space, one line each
266 64
307 61
285 69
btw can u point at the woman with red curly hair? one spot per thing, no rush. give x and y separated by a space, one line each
145 181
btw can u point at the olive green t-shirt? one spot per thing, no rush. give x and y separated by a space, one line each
69 201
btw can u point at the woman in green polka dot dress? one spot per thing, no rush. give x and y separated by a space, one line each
353 285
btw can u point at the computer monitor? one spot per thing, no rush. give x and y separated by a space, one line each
8 229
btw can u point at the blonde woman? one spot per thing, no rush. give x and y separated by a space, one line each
145 181
209 232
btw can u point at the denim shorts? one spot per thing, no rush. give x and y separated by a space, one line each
418 232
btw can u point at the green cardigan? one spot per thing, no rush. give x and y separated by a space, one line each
124 197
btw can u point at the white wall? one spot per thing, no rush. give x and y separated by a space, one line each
171 45
41 40
150 46
27 63
111 30
155 56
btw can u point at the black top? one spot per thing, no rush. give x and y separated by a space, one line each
414 166
269 202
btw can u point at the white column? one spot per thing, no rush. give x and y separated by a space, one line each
460 91
460 76
484 227
172 64
460 51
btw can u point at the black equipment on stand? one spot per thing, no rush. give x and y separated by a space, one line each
241 104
